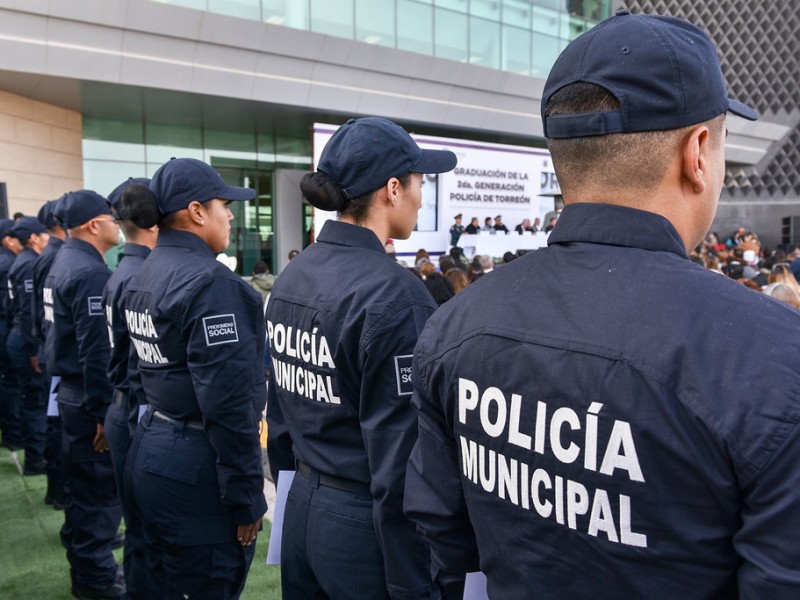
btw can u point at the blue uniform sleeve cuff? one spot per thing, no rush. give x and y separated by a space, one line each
245 515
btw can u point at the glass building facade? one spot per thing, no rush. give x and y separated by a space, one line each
522 36
114 150
247 143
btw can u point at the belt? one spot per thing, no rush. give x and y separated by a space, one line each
337 483
157 414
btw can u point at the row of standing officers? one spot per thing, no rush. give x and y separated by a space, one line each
158 374
614 452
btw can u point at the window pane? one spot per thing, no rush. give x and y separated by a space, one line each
516 50
546 21
577 26
289 13
246 9
333 17
414 26
450 35
545 51
517 13
488 9
167 141
484 41
375 22
103 176
102 149
457 5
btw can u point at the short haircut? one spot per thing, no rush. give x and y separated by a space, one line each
633 160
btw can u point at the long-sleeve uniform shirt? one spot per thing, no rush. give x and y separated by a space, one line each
133 256
198 332
41 267
342 321
606 419
76 343
20 294
6 260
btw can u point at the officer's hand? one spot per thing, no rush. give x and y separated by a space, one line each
100 443
35 364
247 533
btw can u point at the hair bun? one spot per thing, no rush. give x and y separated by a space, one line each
322 191
138 205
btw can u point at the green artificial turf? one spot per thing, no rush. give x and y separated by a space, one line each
33 564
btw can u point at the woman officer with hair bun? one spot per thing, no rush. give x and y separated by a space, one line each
193 471
342 320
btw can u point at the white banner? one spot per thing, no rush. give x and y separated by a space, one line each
489 180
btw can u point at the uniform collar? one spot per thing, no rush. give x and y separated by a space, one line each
55 242
86 247
183 239
613 225
132 249
345 234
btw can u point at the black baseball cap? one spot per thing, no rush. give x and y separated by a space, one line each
664 72
5 227
25 227
181 181
46 214
76 208
363 154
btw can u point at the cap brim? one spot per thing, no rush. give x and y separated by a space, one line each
237 194
742 110
435 161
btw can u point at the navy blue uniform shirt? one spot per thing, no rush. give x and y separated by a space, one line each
20 294
133 256
41 267
342 321
6 260
604 418
76 345
198 331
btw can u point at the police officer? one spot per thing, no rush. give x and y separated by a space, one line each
194 465
456 230
342 321
122 415
21 345
77 350
601 435
41 267
9 390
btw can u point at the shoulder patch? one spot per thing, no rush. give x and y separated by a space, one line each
95 306
28 286
402 367
220 329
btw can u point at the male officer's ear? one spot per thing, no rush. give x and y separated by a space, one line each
694 158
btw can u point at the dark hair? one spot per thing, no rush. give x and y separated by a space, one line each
259 267
324 193
635 159
138 205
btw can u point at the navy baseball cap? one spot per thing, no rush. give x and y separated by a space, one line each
76 208
181 181
46 214
363 154
115 197
25 227
664 72
5 227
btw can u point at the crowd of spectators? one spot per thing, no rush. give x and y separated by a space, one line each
740 256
